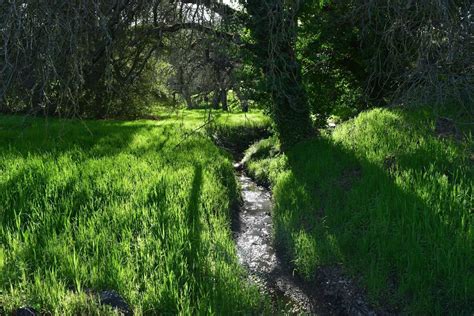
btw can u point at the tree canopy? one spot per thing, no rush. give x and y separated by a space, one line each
297 58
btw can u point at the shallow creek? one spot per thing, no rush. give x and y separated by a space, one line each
253 234
331 293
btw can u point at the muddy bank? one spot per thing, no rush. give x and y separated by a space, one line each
332 293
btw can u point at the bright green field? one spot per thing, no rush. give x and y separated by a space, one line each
142 208
387 199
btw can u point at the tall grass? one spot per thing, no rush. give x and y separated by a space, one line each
387 199
232 131
141 208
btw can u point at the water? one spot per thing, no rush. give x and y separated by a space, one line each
256 252
331 293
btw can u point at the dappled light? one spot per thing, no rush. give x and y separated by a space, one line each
133 207
236 157
404 224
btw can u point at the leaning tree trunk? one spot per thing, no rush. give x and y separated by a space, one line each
274 26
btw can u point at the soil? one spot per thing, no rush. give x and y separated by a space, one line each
446 128
114 300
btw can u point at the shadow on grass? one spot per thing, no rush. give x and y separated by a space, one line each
335 208
92 138
194 223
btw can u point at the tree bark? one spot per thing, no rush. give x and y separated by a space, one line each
188 99
274 26
245 105
216 100
225 106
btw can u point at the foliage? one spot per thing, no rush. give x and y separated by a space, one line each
273 28
87 58
417 51
333 69
142 208
387 199
357 54
97 59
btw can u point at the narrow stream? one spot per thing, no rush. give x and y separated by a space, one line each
331 293
253 235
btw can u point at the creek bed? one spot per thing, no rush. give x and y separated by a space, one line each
332 292
253 229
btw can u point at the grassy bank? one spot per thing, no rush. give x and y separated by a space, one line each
386 198
231 131
140 207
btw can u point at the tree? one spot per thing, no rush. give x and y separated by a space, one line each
418 51
83 57
365 53
273 24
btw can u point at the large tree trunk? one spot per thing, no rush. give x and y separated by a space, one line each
274 26
225 106
216 99
187 97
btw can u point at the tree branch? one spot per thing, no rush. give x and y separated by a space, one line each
198 27
218 7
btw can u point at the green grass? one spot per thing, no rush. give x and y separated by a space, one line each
232 131
387 199
197 118
140 207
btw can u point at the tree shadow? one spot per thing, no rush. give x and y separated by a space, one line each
337 208
92 138
193 222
